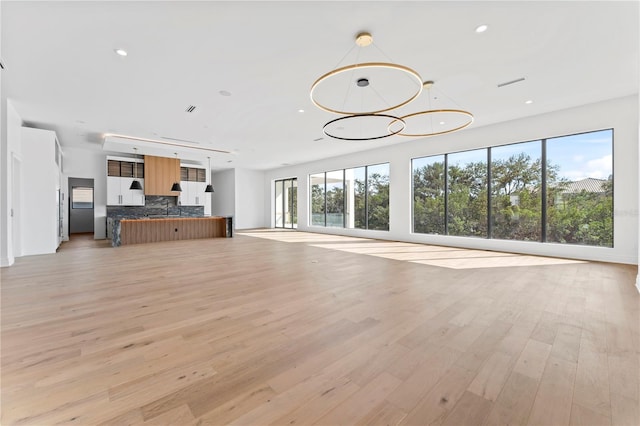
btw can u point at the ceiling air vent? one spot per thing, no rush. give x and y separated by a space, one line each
506 83
190 108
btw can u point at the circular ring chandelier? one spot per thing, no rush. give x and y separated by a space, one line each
354 106
397 120
368 65
434 111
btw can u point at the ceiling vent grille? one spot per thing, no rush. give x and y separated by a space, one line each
506 83
190 108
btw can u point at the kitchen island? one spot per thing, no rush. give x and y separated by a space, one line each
167 228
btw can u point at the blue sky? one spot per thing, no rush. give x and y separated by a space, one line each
579 156
584 155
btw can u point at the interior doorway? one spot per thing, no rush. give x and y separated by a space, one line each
286 203
81 205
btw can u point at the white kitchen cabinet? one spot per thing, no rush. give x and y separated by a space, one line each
119 180
119 194
192 193
193 181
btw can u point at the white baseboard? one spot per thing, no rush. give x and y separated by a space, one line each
6 261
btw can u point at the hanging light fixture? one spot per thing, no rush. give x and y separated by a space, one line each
176 185
135 184
374 88
431 122
209 187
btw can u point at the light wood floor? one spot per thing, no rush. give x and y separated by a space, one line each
296 328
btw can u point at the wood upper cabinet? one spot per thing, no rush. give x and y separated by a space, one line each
160 173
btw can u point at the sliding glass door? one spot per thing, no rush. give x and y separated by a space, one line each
286 203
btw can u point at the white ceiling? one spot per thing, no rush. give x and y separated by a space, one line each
61 71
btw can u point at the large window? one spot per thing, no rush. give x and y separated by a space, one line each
355 197
580 189
516 191
498 192
335 198
351 198
317 199
467 190
428 195
378 197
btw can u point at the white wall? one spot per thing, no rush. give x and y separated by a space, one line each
40 180
6 256
88 164
250 199
620 114
224 199
11 147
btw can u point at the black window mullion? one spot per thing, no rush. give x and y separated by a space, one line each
446 194
291 203
489 192
325 199
284 197
344 198
543 193
366 197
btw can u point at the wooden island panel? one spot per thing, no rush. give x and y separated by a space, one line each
138 231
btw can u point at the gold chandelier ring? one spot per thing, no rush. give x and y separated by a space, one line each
347 68
434 111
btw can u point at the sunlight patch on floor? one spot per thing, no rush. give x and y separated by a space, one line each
506 260
440 256
299 237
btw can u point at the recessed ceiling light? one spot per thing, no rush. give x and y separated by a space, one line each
528 102
121 52
300 110
225 93
481 28
442 122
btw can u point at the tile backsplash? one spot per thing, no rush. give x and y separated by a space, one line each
155 206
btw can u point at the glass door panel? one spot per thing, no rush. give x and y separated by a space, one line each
279 203
286 208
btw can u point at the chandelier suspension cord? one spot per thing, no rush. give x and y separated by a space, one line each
391 60
346 96
343 58
449 98
429 108
379 95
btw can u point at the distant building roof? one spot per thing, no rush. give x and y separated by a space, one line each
587 184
